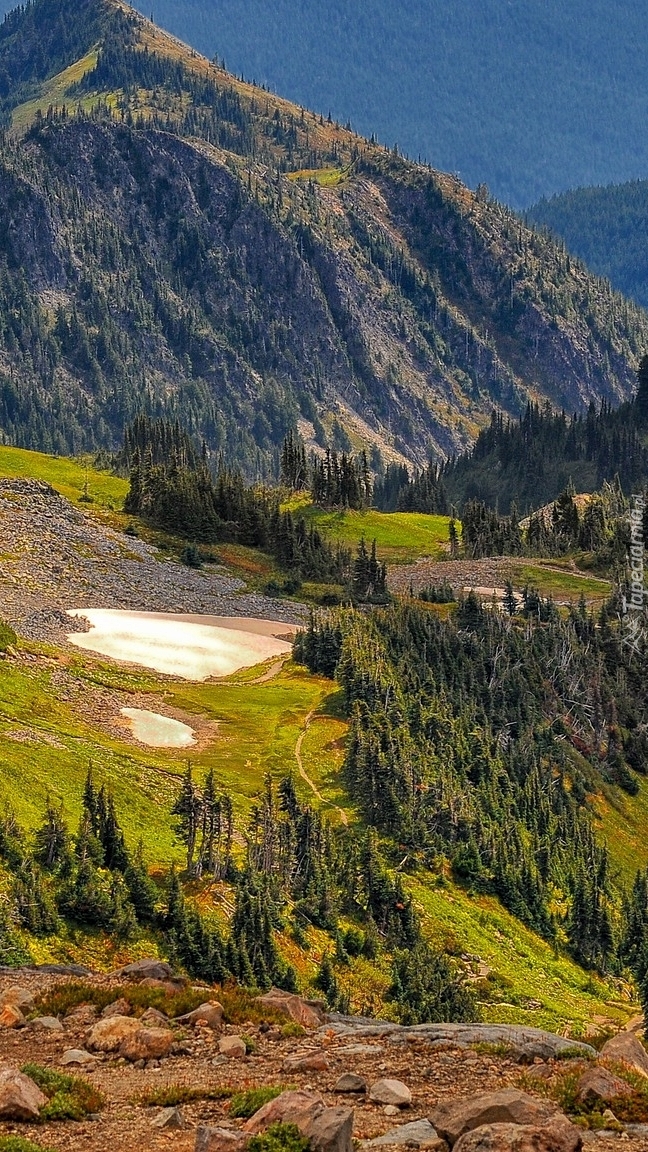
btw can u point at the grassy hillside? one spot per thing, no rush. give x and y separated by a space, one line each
257 727
401 537
68 475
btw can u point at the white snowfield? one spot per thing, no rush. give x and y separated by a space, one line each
158 731
185 646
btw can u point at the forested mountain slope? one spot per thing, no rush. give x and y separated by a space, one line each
173 238
531 97
608 228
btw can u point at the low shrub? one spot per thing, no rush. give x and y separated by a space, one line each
174 1094
245 1104
8 638
19 1144
280 1138
68 1097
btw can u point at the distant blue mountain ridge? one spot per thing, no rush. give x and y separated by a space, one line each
530 97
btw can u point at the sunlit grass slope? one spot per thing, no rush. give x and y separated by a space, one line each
68 475
401 537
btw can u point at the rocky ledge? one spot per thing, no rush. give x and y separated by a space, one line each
55 557
221 1073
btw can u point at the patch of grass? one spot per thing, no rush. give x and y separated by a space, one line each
562 585
524 967
484 1048
245 1104
19 1144
250 1044
173 1095
325 177
292 1029
401 537
240 1004
67 474
280 1138
69 1097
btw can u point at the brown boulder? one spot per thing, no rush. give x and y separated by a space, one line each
391 1092
211 1014
147 1044
625 1048
108 1035
152 1018
453 1118
210 1139
306 1062
19 997
306 1013
147 970
11 1017
20 1098
119 1007
599 1086
556 1136
329 1130
291 1107
233 1047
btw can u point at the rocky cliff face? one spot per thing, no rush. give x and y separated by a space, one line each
142 265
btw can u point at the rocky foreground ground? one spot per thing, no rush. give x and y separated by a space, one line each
167 1065
53 556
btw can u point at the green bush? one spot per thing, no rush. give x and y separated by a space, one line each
280 1138
69 1098
19 1144
8 637
245 1104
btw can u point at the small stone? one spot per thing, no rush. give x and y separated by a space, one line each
169 1118
210 1014
232 1047
48 1024
349 1082
210 1139
11 1017
78 1057
390 1092
20 1098
418 1134
117 1008
306 1062
391 1110
153 1018
609 1117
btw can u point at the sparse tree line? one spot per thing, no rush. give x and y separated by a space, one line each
290 871
474 740
173 488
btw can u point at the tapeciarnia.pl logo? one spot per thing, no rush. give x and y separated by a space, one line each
634 604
